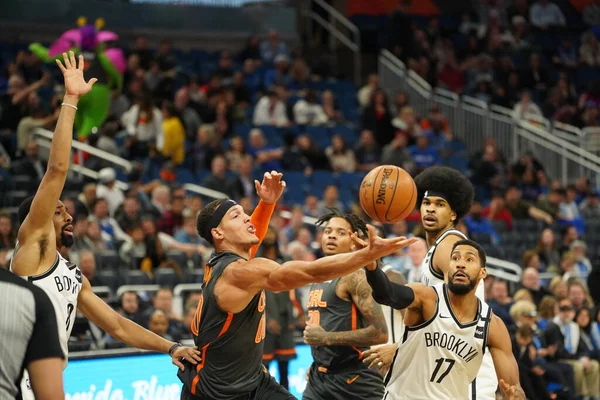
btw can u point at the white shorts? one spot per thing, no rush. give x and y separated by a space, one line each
486 382
26 391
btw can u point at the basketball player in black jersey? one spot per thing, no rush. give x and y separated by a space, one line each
343 321
229 327
46 226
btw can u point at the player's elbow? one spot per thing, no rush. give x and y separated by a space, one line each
57 168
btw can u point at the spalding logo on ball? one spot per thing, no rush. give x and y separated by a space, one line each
388 194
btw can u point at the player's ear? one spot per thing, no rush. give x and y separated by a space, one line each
217 233
453 216
483 273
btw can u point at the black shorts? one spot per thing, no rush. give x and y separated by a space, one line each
279 347
357 384
268 389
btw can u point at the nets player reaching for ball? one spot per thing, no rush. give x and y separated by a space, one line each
343 321
46 227
448 330
230 324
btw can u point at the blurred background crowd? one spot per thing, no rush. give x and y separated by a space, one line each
221 119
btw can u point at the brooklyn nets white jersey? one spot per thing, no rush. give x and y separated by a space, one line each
62 283
440 357
486 384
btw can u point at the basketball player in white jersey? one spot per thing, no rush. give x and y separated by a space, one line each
448 330
46 227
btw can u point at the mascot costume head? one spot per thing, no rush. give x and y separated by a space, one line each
105 64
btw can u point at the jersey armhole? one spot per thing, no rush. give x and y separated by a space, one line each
47 273
486 327
425 323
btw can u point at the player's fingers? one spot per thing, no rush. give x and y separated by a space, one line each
72 58
275 175
268 175
60 65
195 358
80 62
179 364
92 81
282 183
256 184
66 60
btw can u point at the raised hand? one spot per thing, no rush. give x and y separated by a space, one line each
381 357
511 392
75 83
190 354
271 188
379 247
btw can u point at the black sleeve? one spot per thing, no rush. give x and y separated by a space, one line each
389 293
44 341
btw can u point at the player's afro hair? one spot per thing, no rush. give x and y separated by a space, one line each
356 224
456 187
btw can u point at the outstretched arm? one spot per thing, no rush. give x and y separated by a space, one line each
35 227
269 191
128 331
506 366
375 332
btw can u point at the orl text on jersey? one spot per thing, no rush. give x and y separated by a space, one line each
65 283
450 342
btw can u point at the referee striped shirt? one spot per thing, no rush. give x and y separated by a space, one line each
28 331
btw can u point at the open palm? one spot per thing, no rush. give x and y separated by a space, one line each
75 83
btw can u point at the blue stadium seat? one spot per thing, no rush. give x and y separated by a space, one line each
351 180
179 257
323 178
184 175
242 130
137 277
347 197
107 260
166 277
348 133
109 278
316 132
296 179
294 194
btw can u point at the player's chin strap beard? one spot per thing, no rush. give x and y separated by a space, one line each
215 219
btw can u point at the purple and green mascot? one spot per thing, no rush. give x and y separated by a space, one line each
107 64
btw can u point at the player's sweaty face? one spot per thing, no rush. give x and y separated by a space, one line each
336 237
436 214
464 269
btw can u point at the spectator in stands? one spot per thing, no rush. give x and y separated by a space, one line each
291 157
330 107
530 187
236 153
129 215
569 212
589 52
497 211
546 248
536 77
330 200
129 306
591 13
190 310
40 117
188 234
189 117
143 123
31 165
206 147
559 287
477 224
396 153
551 202
578 294
87 265
589 208
530 280
547 309
590 334
566 55
366 92
308 112
530 372
312 152
565 334
135 249
272 47
172 142
531 259
406 123
107 223
172 218
520 209
583 266
367 151
159 323
450 75
8 236
81 241
376 117
299 77
219 181
99 239
526 107
568 266
251 50
341 157
545 15
108 190
161 197
280 74
424 154
569 235
311 206
264 154
501 302
270 110
409 263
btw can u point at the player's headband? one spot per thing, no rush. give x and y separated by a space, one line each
435 193
216 218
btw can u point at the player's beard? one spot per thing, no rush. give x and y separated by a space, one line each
461 288
66 240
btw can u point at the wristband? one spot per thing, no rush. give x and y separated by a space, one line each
69 105
172 349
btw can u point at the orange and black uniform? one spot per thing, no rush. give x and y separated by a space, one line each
338 372
231 346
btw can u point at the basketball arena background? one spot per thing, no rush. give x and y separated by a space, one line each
505 91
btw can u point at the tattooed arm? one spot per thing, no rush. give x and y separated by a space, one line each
375 332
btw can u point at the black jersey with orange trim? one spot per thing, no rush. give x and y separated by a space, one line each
231 344
334 314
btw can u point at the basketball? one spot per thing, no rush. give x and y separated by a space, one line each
388 194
